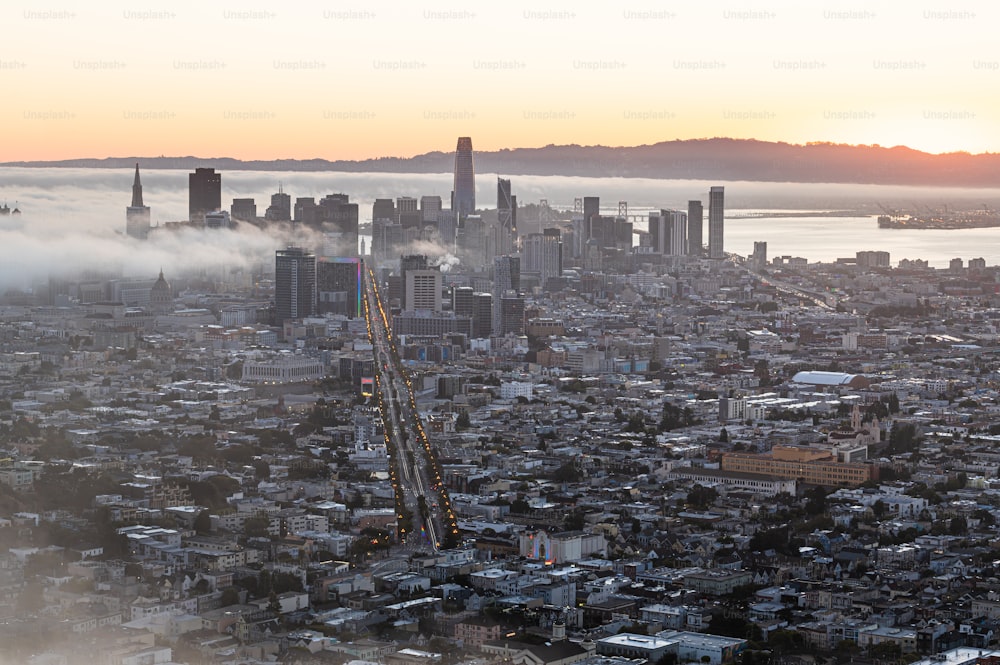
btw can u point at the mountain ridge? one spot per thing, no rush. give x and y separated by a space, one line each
696 159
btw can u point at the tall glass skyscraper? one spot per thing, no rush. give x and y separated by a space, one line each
294 284
716 208
463 194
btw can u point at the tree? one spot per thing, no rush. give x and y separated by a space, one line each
203 523
701 497
723 435
816 503
463 423
958 526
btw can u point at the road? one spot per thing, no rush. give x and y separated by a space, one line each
415 472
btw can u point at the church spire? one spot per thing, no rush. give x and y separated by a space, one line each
137 189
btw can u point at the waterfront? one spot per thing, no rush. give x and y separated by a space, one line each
93 201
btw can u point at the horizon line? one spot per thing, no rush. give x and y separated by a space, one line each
501 150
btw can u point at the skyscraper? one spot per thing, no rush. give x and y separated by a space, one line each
542 254
463 194
506 278
695 225
338 286
294 284
137 214
668 232
408 212
758 260
505 233
716 207
244 210
591 211
280 209
423 289
430 207
407 264
204 193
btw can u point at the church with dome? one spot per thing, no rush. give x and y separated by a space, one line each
161 297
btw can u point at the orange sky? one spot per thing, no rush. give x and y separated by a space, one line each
350 81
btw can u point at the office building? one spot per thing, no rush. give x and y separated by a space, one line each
505 232
758 260
430 208
339 287
695 227
542 253
462 300
423 289
219 219
137 214
294 284
407 212
716 210
506 278
244 210
406 264
280 209
668 232
339 220
204 193
875 259
384 210
482 315
463 195
511 314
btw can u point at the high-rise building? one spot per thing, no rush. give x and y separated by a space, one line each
384 210
406 264
482 315
591 212
511 314
695 225
244 210
506 278
668 232
423 289
505 233
339 220
219 219
137 214
338 286
430 208
462 303
294 284
408 212
716 211
463 194
542 253
204 193
759 257
280 209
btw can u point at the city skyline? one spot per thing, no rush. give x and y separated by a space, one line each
122 83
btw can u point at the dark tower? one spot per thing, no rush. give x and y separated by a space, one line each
294 284
695 226
137 214
463 194
204 193
716 209
280 209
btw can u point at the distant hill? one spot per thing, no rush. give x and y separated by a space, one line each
700 159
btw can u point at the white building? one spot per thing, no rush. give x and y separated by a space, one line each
283 368
515 389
